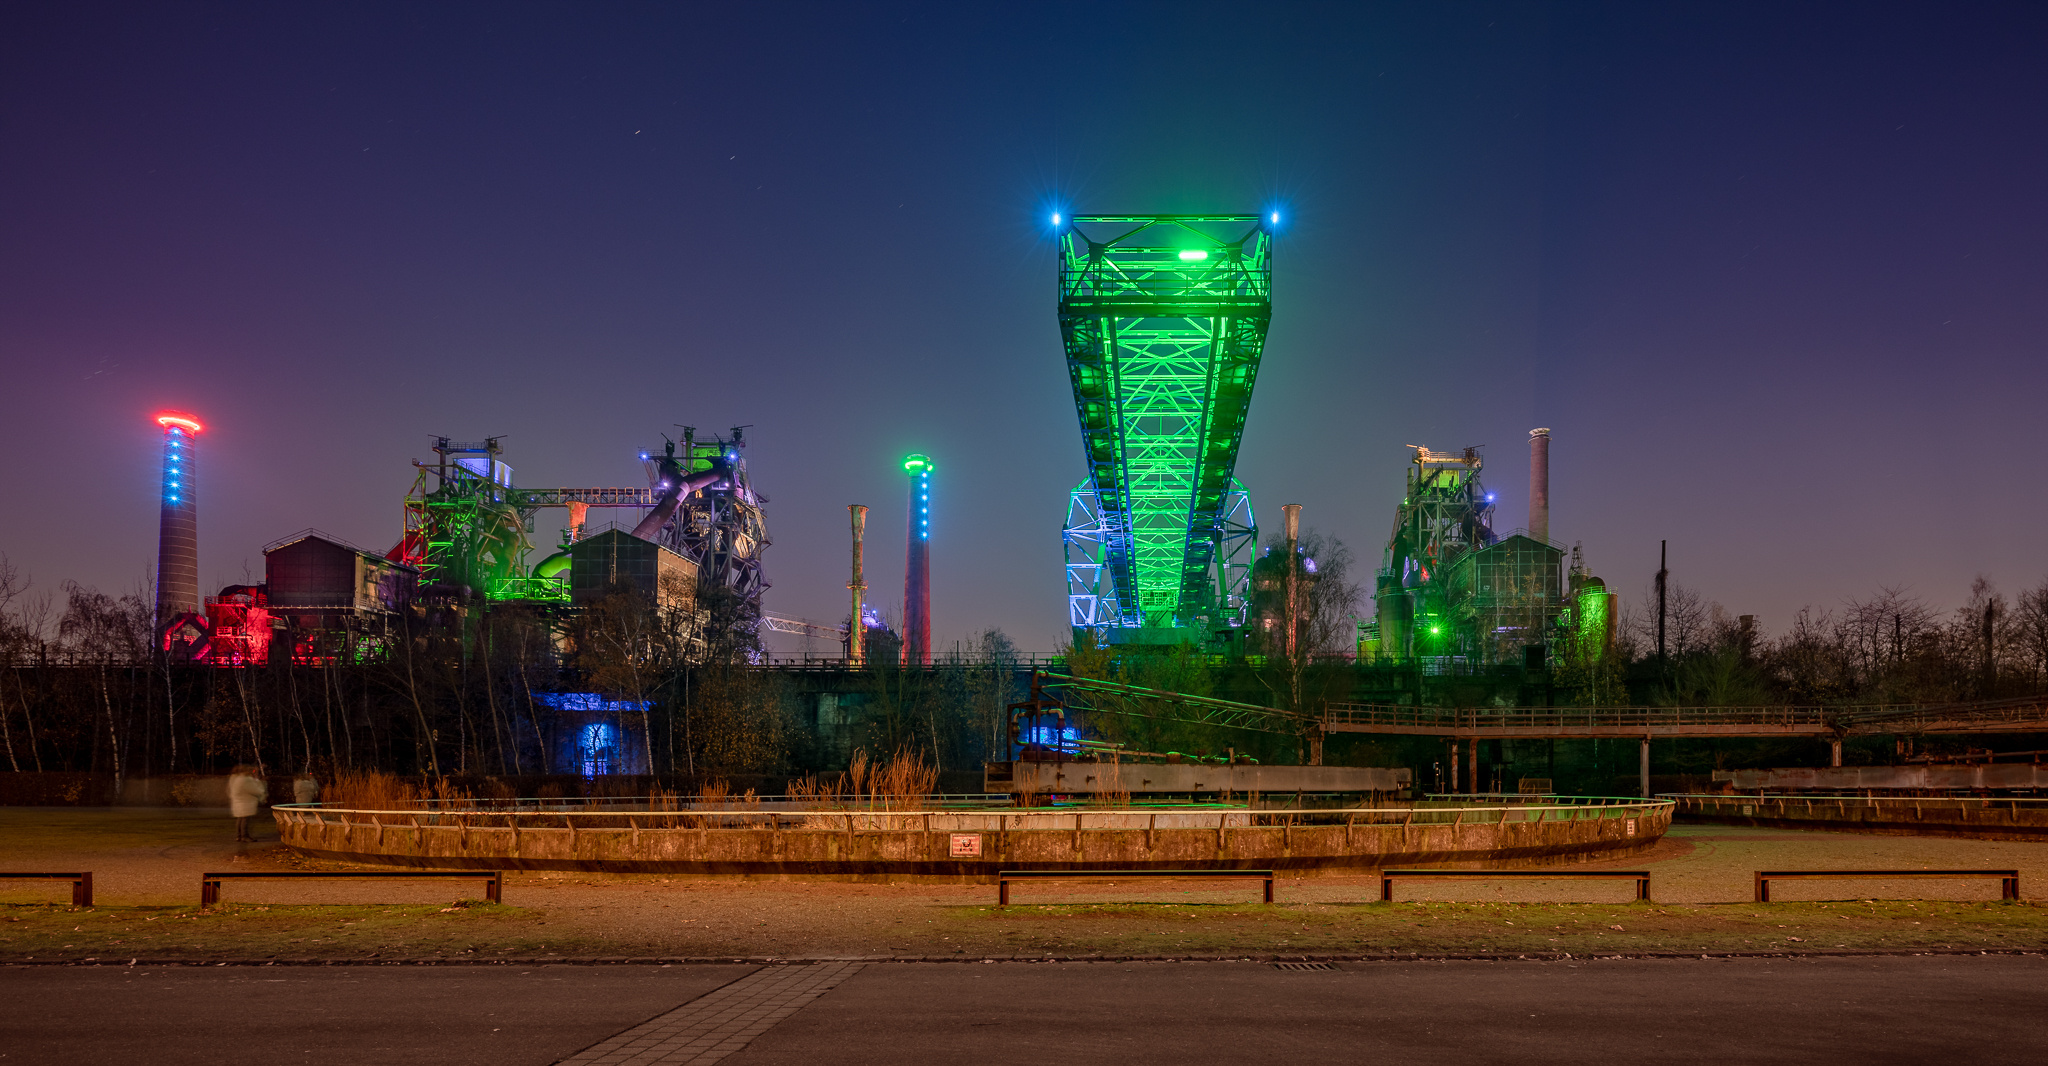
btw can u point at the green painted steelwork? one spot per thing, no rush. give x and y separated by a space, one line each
1164 319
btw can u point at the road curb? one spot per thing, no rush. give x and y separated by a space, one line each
775 960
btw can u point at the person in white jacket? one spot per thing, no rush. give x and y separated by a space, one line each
246 792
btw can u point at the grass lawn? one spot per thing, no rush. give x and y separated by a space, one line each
472 929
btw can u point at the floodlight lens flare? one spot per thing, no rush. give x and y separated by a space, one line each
1193 255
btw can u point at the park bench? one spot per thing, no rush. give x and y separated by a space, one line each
81 884
2009 880
1004 877
1640 877
494 887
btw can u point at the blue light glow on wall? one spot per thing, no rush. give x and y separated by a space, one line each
1046 736
597 748
589 703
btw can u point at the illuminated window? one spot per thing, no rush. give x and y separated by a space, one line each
598 749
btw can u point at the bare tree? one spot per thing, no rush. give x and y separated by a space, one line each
13 646
1875 636
104 632
2030 631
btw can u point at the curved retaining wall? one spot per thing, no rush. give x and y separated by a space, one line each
942 845
1971 817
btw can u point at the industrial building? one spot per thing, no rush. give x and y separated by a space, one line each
464 544
1451 593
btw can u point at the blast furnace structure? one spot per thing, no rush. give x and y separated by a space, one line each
1451 593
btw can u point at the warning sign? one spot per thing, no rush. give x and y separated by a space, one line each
966 845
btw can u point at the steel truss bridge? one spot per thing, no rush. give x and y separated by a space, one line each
1108 697
1164 321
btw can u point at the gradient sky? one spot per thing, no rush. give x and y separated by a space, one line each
1773 274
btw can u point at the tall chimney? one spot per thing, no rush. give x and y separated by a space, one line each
856 628
917 576
177 544
1539 484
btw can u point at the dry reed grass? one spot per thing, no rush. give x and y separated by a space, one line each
374 790
902 783
1113 793
371 790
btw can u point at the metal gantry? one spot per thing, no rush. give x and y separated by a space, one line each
1164 320
1090 696
1094 604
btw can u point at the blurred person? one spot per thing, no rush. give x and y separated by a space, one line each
306 788
246 793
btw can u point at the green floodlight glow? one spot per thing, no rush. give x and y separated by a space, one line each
917 464
1433 631
1162 350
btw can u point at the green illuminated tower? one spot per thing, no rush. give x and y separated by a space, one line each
1164 319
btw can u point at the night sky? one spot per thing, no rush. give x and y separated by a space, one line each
1773 274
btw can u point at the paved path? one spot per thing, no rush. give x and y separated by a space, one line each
1912 1009
709 1029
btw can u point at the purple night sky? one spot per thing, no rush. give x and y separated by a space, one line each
1773 274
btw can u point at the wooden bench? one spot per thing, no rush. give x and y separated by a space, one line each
1003 878
1640 877
2009 880
494 880
81 884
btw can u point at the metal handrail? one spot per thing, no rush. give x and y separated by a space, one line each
825 819
1473 717
636 804
1843 798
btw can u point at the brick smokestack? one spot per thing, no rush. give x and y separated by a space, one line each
917 576
1539 484
855 627
177 545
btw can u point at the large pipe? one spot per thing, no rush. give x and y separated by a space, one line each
1539 484
675 486
856 627
177 545
664 508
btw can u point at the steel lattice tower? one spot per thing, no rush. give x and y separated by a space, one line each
1164 319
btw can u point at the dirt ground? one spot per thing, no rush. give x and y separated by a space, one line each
146 866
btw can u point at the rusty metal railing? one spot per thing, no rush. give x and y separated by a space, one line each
1732 803
1421 815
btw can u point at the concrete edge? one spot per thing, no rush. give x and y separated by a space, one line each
777 960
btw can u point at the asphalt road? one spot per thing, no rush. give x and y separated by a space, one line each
1915 1009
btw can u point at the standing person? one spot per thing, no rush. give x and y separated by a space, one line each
246 792
306 788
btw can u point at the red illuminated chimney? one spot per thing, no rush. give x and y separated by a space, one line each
917 577
177 545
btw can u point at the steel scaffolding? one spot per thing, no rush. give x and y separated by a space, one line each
1164 321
